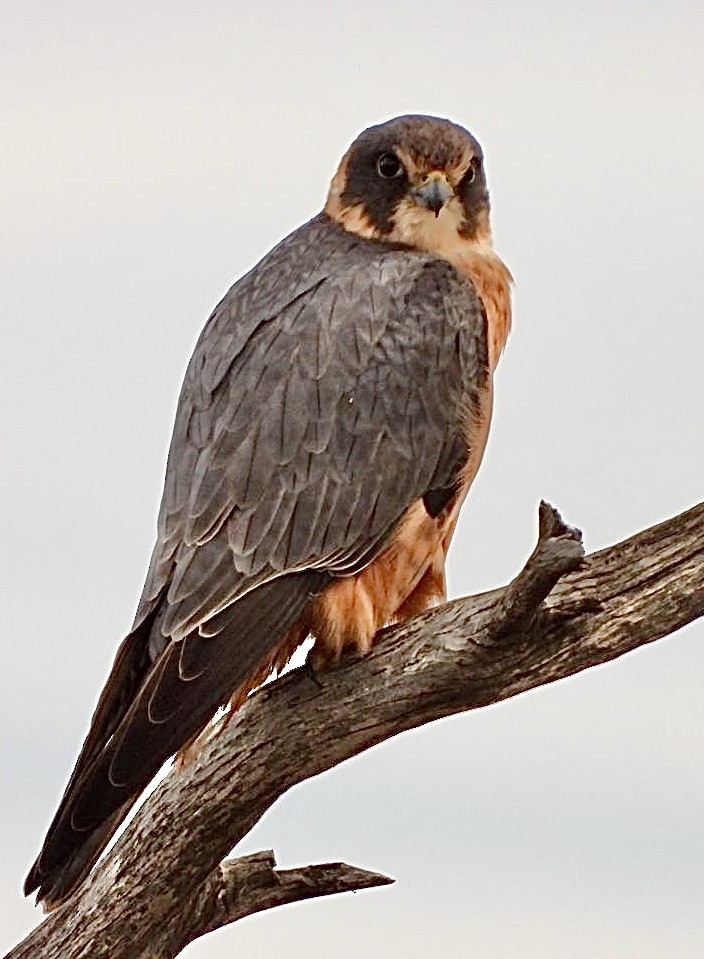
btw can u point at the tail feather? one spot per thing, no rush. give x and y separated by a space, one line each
147 712
57 886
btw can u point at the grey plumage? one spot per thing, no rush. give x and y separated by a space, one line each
329 390
334 365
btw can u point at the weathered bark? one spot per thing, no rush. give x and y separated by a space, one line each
165 883
241 887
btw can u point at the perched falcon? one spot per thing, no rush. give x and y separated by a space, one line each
332 418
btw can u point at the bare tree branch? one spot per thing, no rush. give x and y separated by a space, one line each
241 887
165 883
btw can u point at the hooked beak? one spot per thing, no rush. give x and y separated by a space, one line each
434 191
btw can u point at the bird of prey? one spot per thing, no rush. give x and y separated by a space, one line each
332 418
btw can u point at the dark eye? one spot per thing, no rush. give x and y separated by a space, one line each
475 165
389 166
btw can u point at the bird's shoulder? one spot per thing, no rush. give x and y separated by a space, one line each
322 274
367 355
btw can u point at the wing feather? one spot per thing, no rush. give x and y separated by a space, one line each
327 393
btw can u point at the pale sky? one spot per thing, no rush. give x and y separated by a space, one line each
150 154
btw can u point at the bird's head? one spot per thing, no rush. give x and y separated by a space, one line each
414 180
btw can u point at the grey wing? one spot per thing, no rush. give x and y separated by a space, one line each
335 415
307 425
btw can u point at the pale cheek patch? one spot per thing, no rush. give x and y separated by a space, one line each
423 230
355 220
